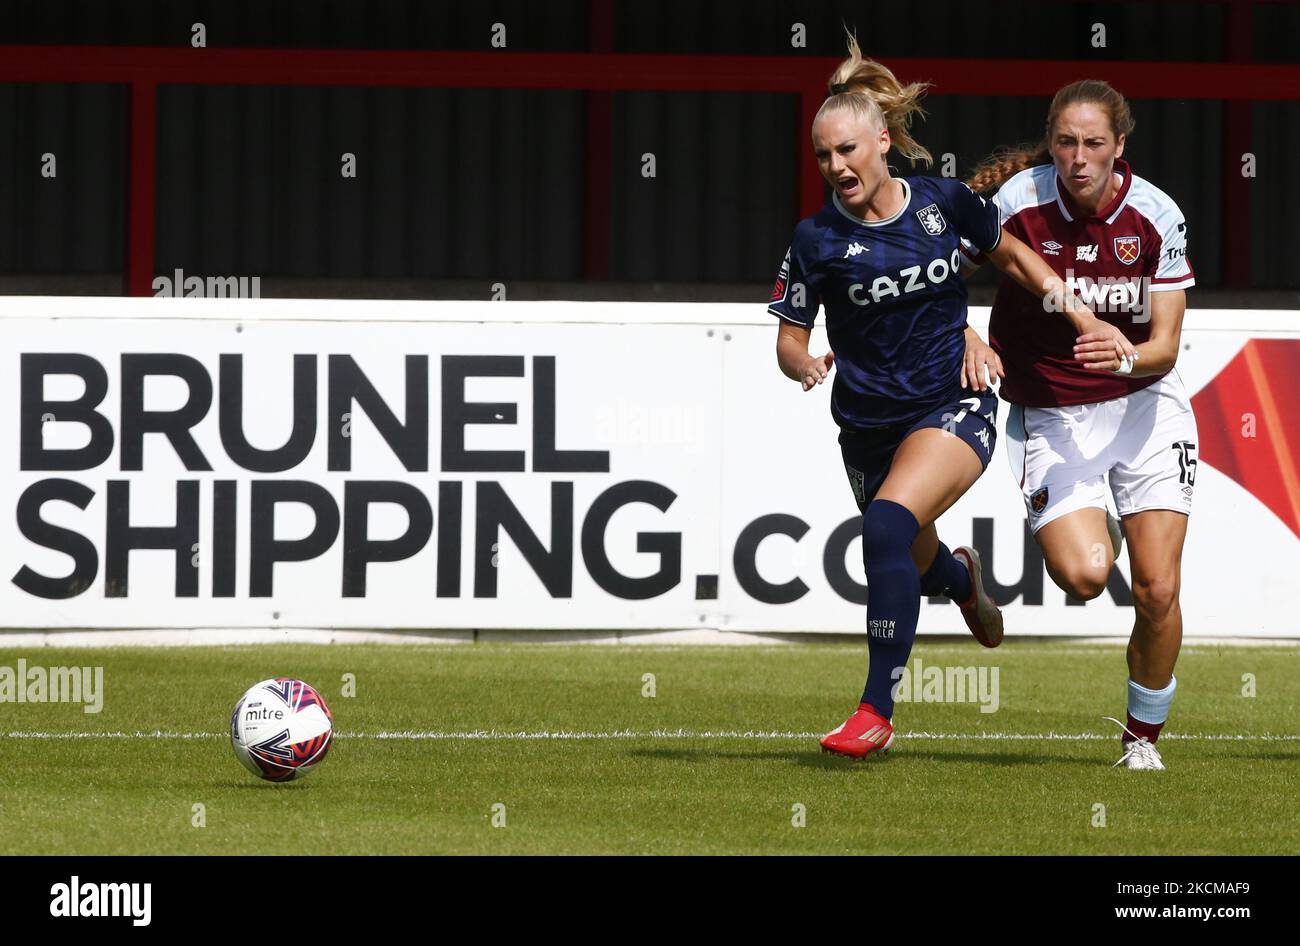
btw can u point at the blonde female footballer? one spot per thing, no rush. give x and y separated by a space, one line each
883 258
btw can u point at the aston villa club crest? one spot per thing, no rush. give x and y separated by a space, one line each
1038 501
1128 249
932 220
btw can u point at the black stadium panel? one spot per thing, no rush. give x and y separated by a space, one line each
525 163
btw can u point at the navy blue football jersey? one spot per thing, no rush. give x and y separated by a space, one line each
894 296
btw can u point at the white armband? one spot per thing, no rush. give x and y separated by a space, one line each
1126 364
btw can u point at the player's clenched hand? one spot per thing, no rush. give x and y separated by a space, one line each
815 370
980 362
1102 346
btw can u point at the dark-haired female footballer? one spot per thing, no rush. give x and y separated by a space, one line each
883 259
1085 422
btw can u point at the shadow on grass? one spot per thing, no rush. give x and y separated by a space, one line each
1283 756
820 760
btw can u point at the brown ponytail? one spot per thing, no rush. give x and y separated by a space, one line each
995 170
874 94
1005 163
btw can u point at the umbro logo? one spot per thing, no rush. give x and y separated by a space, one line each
856 248
1052 248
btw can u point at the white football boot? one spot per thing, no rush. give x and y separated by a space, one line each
1138 754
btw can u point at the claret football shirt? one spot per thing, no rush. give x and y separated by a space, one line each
1113 260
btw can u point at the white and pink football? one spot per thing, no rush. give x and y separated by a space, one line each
281 729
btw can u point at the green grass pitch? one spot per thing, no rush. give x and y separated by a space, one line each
722 759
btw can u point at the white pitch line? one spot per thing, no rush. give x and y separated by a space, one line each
489 735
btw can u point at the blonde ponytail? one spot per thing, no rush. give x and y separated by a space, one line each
874 94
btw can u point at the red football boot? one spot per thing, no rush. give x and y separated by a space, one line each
860 735
981 614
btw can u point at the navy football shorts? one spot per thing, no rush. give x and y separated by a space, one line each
868 454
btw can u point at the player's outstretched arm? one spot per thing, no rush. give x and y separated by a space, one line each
1157 355
795 361
1026 267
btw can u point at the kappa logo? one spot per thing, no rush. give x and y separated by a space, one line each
1052 248
1038 501
932 220
854 249
1128 249
1086 254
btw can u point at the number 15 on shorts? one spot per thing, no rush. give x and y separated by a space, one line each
1185 450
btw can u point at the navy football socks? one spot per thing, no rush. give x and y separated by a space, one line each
946 576
893 597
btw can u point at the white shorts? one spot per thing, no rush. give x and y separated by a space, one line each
1140 448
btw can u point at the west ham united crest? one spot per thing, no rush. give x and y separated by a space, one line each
1038 501
932 220
1128 249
